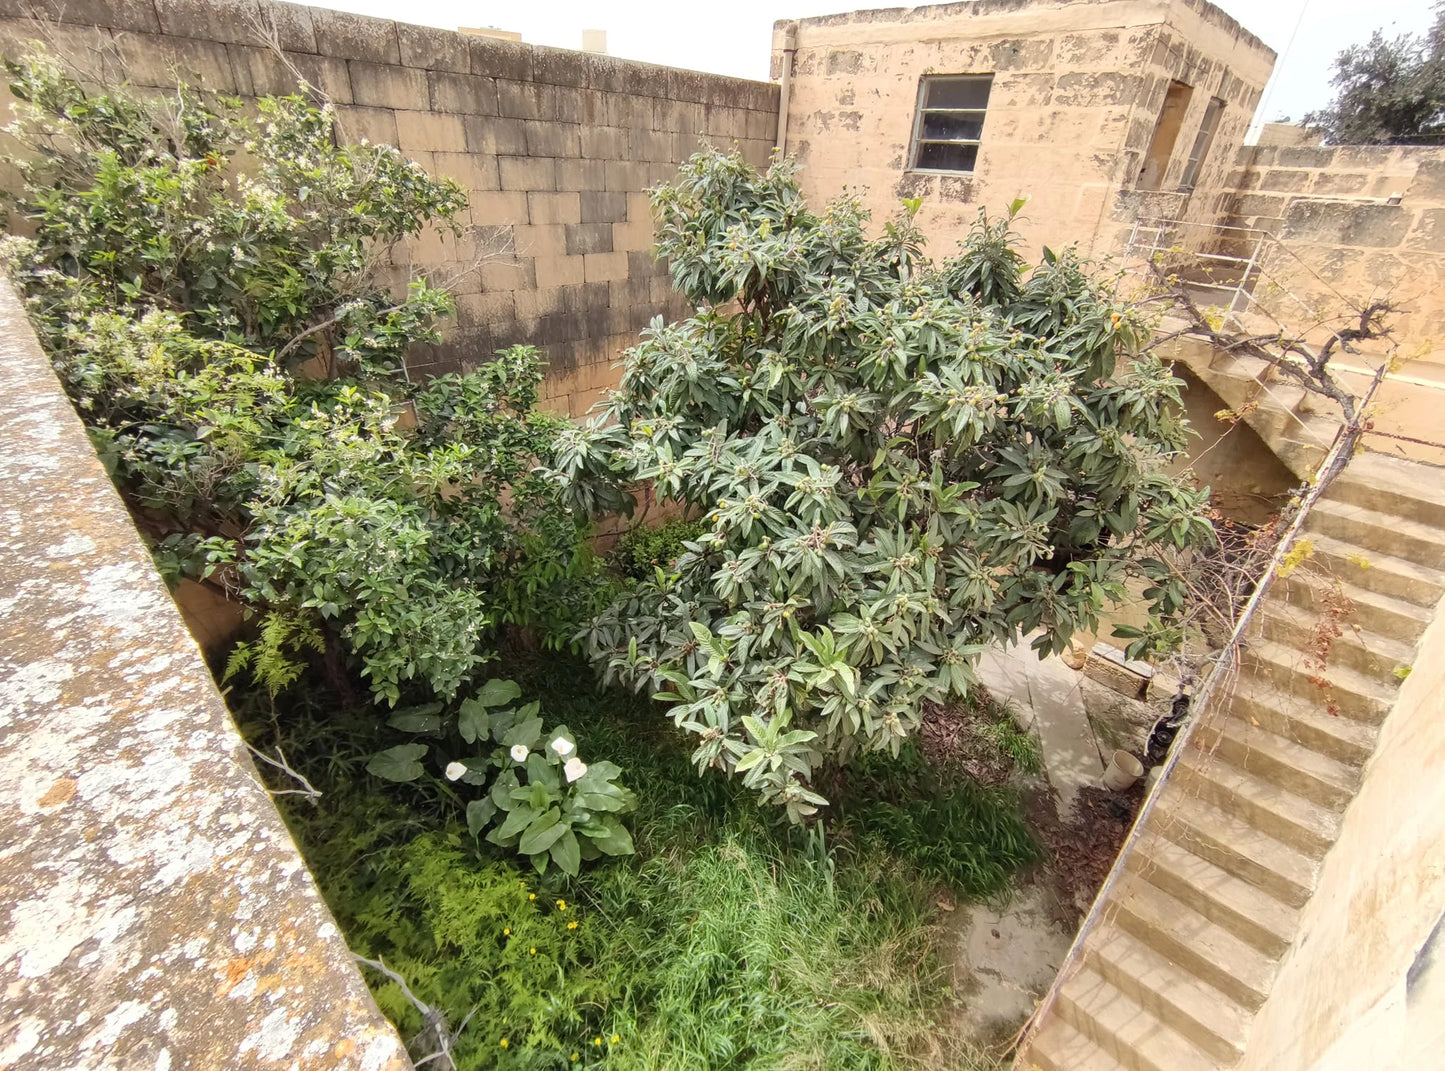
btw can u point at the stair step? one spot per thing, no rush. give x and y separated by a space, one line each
1259 703
1294 766
1392 485
1178 999
1333 688
1354 648
1206 950
1245 910
1288 818
1059 1047
1378 572
1121 1027
1236 846
1383 614
1388 533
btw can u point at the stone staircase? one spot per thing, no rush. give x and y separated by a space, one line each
1186 947
1279 411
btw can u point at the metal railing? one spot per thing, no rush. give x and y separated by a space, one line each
1244 274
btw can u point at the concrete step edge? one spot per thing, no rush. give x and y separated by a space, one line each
1207 951
1298 767
1256 701
1129 1032
1177 998
1238 848
1247 911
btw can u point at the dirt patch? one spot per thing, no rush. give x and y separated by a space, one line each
1082 851
963 740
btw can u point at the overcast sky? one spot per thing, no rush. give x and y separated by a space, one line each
734 37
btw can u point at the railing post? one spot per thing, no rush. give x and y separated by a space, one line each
1241 288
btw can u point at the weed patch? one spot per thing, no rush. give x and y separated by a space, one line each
729 940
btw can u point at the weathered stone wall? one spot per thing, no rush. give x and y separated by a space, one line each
1344 243
1364 985
1077 91
555 148
154 912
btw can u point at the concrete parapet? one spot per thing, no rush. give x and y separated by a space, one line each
156 912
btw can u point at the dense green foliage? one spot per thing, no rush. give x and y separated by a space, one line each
725 942
227 340
897 464
1388 91
538 796
644 550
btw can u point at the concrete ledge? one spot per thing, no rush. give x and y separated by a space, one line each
154 912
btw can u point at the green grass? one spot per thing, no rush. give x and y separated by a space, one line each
728 941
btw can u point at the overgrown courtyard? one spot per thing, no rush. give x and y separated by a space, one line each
681 805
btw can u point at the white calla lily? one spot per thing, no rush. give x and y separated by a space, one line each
520 752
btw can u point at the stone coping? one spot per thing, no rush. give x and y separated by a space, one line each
154 911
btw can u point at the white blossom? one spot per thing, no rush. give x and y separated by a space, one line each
520 752
574 768
455 770
562 746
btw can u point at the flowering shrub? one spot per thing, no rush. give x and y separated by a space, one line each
540 798
239 364
897 464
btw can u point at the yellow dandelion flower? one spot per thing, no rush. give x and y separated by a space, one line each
597 1041
533 896
572 925
576 1056
534 951
507 932
616 1038
523 884
504 1043
561 905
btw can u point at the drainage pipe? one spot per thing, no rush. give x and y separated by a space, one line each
790 50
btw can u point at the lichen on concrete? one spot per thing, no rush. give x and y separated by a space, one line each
154 912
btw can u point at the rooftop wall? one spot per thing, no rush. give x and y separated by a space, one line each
1077 91
154 911
556 150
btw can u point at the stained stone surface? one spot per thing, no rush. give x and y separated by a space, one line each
154 912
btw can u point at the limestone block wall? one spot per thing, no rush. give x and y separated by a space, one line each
1076 94
1343 241
556 150
1364 985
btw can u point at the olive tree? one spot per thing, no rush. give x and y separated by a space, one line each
897 463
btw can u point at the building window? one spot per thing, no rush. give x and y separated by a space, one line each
1166 132
949 123
1205 138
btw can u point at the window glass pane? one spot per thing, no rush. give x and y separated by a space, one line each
958 92
949 125
941 156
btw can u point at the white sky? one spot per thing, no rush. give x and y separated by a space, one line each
735 37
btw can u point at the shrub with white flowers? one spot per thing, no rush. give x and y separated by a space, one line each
896 463
538 796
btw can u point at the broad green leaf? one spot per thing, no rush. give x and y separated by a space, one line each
496 693
479 813
542 833
567 854
400 763
422 719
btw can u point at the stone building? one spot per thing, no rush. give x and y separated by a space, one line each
1096 111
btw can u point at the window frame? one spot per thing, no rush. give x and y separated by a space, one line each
1203 142
918 141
